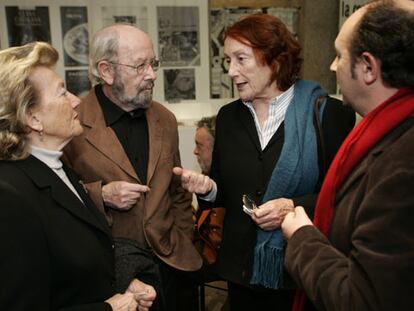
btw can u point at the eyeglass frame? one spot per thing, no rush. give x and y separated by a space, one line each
154 63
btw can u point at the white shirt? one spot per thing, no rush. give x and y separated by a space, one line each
276 115
52 159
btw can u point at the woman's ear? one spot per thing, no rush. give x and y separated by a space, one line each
106 72
33 121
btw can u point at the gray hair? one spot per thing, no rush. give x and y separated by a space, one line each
104 47
209 123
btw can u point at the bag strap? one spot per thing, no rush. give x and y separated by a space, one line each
203 216
319 132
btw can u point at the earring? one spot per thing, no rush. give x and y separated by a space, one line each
41 135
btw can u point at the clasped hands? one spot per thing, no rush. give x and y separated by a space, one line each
138 296
281 213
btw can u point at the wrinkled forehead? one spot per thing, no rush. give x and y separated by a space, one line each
134 45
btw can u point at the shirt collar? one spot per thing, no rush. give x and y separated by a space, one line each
280 98
112 112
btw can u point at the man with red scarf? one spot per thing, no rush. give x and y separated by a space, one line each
358 254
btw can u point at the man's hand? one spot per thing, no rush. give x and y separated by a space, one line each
144 294
122 195
269 216
295 220
193 181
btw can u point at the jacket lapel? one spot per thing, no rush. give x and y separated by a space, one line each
45 178
375 152
77 184
155 132
247 122
103 138
355 175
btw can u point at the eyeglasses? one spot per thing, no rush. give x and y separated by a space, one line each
141 68
248 204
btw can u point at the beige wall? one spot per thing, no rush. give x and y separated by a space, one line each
318 26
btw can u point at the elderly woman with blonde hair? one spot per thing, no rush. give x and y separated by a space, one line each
57 251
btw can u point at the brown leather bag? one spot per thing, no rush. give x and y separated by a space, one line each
210 229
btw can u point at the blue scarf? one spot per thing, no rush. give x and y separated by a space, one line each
296 173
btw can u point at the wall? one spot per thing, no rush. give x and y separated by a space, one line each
318 27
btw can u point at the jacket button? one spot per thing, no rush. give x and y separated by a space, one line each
260 157
113 246
259 193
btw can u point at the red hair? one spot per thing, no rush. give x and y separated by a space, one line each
272 44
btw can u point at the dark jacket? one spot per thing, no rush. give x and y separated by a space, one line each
241 167
368 261
56 252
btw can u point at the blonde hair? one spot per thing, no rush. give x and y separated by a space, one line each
17 94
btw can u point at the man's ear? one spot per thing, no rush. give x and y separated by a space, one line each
371 68
106 72
33 122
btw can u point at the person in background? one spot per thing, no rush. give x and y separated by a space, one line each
204 142
209 220
272 145
125 157
57 248
362 236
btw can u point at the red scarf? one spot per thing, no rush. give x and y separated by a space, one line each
373 127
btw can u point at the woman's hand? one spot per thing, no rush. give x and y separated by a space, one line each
123 302
144 294
269 216
193 181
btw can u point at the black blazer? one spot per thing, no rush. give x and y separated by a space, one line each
240 167
56 253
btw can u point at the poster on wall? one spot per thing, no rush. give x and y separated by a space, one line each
75 35
221 85
27 24
347 7
178 36
137 15
289 16
77 82
179 84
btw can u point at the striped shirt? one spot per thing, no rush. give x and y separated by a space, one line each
276 115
